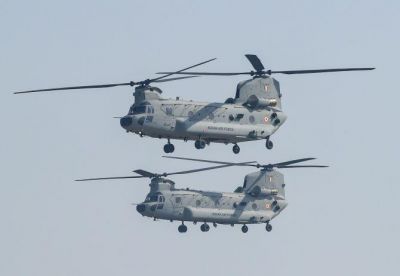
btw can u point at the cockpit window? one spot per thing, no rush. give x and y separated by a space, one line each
152 198
141 108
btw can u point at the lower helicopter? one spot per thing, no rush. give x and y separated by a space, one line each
259 200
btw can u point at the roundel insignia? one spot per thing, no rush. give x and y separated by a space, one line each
267 205
266 119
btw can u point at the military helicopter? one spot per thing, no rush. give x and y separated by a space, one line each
259 200
254 114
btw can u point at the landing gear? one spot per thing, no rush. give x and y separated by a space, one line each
182 228
199 144
204 227
169 148
269 143
236 149
245 228
268 227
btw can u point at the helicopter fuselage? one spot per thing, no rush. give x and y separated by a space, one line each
208 122
166 202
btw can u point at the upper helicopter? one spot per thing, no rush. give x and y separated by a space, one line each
255 113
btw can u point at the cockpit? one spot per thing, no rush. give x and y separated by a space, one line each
157 197
141 108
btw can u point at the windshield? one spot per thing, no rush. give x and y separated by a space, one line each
155 197
152 198
138 109
144 107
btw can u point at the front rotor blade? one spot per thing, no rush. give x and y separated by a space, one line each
248 163
292 162
302 166
77 87
255 61
209 73
109 178
177 78
292 72
145 173
184 69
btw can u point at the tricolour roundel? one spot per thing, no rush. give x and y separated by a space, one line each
267 205
266 119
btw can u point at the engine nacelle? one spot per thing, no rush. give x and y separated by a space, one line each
253 101
257 191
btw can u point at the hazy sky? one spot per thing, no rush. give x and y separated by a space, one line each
340 221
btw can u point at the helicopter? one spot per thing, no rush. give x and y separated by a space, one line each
255 113
259 200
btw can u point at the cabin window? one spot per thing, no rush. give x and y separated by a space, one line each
178 200
198 203
252 119
254 206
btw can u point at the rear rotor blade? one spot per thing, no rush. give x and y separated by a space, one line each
78 87
312 71
255 61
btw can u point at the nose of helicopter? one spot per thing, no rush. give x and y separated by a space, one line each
126 121
141 208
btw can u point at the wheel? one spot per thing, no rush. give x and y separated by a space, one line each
199 144
204 227
169 148
182 228
245 229
166 148
236 149
268 227
269 144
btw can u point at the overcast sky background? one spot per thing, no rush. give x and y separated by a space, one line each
340 221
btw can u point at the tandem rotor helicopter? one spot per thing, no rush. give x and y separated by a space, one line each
255 113
258 201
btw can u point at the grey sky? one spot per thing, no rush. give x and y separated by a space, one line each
340 221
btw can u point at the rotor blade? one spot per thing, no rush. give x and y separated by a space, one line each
109 178
145 173
212 161
302 166
178 78
77 87
291 72
184 69
209 73
202 169
292 162
255 61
